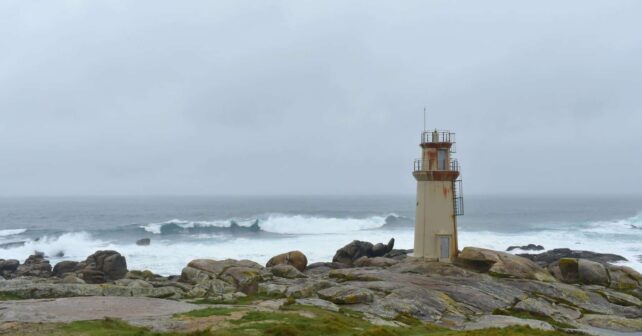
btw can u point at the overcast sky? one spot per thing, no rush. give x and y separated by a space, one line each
323 97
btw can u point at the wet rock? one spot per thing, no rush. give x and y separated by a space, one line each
36 265
346 295
286 271
357 249
611 322
501 264
548 257
529 247
64 267
103 266
375 262
294 258
143 242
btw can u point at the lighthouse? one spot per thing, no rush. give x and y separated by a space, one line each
439 197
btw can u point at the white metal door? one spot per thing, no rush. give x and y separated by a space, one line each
444 247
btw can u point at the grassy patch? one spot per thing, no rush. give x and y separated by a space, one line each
8 296
217 311
104 327
291 322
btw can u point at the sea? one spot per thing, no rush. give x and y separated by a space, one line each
256 228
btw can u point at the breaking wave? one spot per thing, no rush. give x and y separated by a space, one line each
11 232
277 224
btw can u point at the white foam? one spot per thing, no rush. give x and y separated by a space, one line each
285 224
156 227
74 246
298 224
11 232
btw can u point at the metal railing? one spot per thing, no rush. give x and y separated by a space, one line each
458 198
441 165
437 136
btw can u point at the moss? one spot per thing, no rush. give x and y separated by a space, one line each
207 312
294 321
10 296
407 319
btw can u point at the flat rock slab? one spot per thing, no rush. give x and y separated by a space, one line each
67 310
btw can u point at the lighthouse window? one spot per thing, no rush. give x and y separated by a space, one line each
442 156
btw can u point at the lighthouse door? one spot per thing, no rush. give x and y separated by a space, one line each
444 248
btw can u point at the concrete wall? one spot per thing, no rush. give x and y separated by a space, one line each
434 217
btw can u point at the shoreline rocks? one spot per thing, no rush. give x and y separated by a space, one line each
294 258
480 287
357 249
529 247
546 258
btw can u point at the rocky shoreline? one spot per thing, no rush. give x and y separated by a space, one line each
560 289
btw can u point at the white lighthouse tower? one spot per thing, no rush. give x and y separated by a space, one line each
439 198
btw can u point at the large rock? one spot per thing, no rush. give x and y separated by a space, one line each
8 267
245 279
64 267
548 257
623 277
540 307
294 258
286 271
103 266
582 271
617 323
36 265
217 267
346 295
501 264
357 249
592 273
529 247
375 262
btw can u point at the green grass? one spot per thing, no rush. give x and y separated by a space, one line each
8 296
217 311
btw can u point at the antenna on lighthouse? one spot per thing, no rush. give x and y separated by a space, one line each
424 118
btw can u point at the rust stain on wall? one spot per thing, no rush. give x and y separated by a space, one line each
446 191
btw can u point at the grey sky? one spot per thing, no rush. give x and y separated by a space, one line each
302 97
